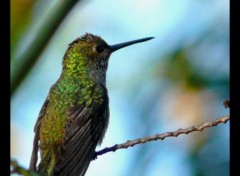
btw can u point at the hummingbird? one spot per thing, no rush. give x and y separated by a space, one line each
75 115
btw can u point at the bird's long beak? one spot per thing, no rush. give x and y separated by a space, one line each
122 45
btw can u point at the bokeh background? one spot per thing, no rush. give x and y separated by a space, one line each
178 79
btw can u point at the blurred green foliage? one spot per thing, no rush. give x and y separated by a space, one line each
20 17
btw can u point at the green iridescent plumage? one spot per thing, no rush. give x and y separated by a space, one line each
75 115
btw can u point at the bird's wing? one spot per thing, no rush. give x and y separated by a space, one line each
84 128
34 156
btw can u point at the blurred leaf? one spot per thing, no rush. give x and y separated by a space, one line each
22 65
20 16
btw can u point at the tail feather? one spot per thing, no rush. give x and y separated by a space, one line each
34 156
46 166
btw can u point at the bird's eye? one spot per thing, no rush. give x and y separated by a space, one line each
99 48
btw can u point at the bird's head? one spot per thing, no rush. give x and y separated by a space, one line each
92 52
